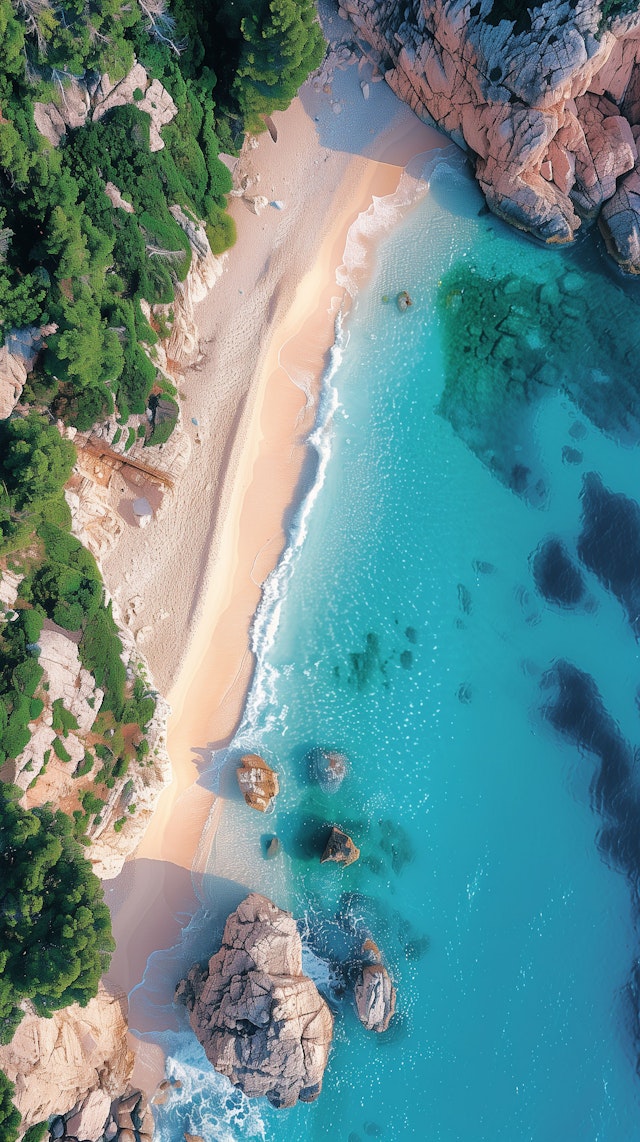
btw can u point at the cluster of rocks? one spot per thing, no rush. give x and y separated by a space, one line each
97 1119
549 106
261 1021
57 1064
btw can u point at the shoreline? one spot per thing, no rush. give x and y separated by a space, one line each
155 893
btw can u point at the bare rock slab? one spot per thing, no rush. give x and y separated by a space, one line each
262 1023
258 782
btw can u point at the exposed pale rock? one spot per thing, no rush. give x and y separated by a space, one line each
68 679
17 357
260 1020
89 1121
340 848
116 199
9 583
258 782
548 105
54 1063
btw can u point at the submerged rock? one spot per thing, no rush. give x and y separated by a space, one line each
258 782
328 767
340 848
556 575
272 848
262 1023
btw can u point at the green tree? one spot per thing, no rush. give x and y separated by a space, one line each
9 1116
282 45
35 462
55 930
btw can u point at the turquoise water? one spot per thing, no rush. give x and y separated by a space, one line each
412 636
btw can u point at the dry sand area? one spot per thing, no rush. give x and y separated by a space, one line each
267 324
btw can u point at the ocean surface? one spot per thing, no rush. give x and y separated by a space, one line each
458 614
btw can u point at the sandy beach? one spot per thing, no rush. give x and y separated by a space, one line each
266 327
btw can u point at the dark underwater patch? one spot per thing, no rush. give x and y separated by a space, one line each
571 455
510 341
556 576
575 708
609 543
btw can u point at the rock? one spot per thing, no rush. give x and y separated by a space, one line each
547 105
193 1138
258 782
340 848
55 1063
89 1121
403 301
57 1129
328 767
272 848
260 1020
17 358
127 1135
375 997
116 199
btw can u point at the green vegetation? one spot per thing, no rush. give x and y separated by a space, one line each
9 1117
67 254
68 257
55 932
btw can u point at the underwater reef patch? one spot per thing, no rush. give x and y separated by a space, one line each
511 341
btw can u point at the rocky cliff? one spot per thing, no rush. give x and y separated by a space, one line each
55 1062
260 1020
546 101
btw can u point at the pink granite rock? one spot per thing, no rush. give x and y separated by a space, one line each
260 1020
548 104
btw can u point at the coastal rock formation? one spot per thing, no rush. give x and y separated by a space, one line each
258 782
547 103
328 767
17 355
260 1020
375 994
55 1063
340 848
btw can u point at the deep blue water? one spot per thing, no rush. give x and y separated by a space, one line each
490 731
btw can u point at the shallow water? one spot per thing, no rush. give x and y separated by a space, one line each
491 786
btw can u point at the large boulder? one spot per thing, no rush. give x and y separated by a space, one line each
260 1020
258 782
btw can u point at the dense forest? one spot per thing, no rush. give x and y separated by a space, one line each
72 260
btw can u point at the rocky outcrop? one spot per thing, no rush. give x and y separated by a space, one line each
328 767
17 355
260 1020
340 848
375 994
55 1063
548 105
81 100
258 782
